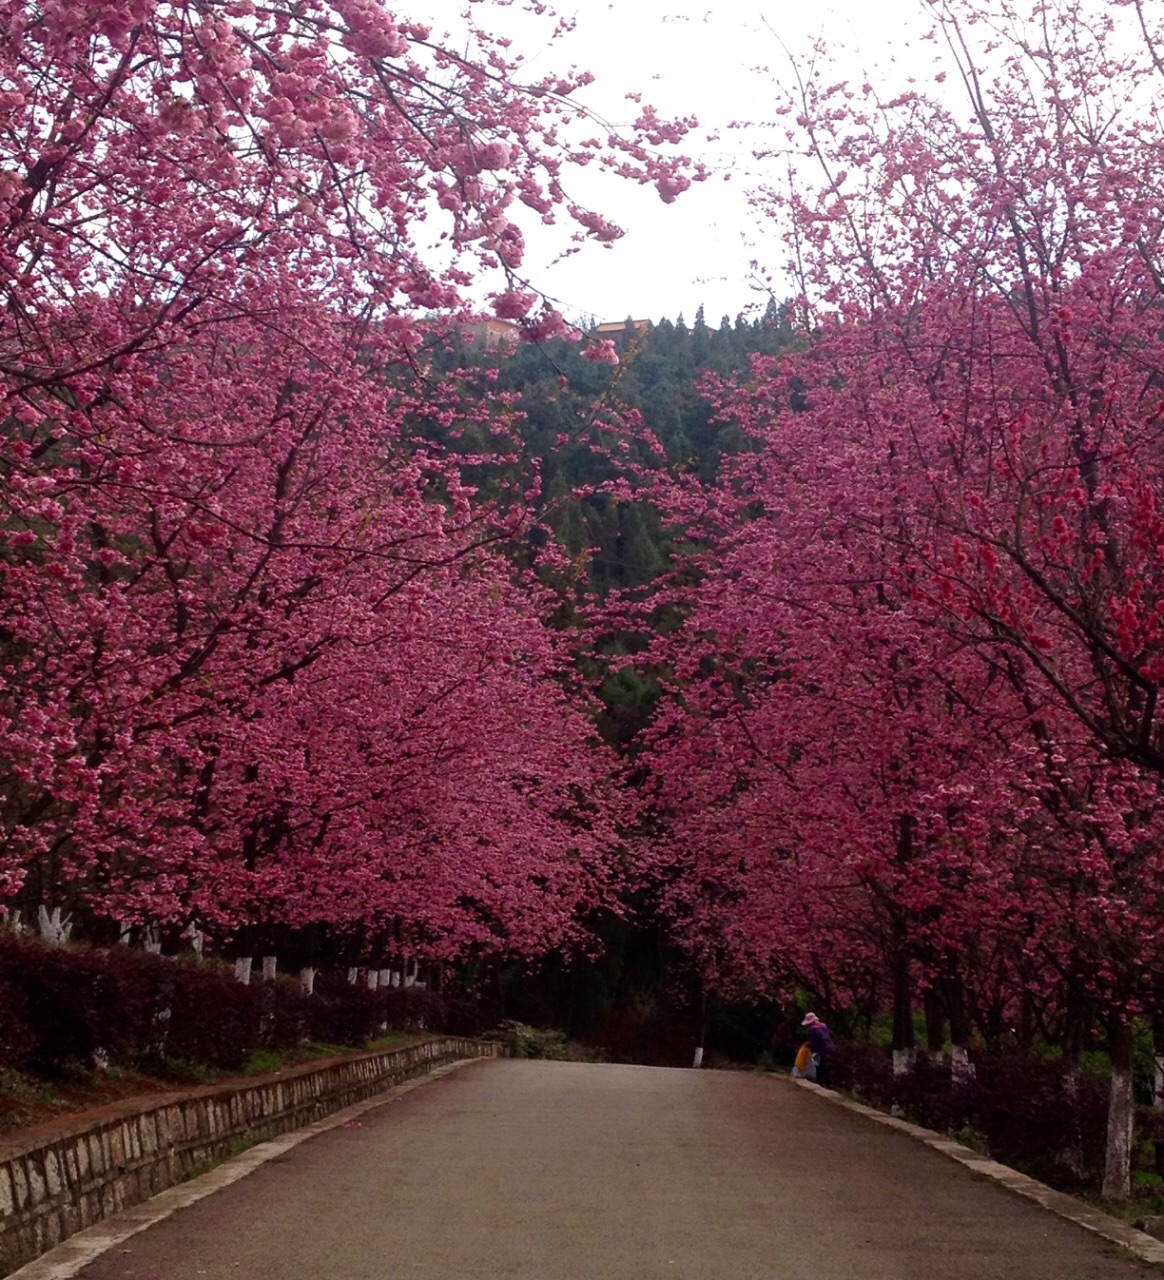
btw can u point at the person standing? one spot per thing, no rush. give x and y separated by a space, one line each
820 1045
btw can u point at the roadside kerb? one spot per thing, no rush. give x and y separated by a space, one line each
1098 1223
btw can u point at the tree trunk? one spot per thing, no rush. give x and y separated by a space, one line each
1072 1152
935 1015
1158 1077
242 969
903 1041
1073 1040
1027 1024
698 1062
1117 1172
307 980
961 1068
270 968
55 927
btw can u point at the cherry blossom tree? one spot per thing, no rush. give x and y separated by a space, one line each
995 331
975 442
267 657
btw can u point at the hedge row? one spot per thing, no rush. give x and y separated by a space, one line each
62 1008
1027 1112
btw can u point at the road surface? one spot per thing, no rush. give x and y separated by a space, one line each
516 1170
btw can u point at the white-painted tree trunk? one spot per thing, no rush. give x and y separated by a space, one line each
373 979
1158 1084
1117 1166
270 967
162 1029
12 920
55 927
698 1056
152 940
124 933
386 978
242 969
961 1068
1072 1153
903 1060
307 980
353 976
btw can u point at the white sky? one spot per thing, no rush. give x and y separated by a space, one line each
687 58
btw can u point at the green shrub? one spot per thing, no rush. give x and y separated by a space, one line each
523 1041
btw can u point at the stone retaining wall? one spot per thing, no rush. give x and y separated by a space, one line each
60 1177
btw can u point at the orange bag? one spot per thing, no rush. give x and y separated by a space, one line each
803 1055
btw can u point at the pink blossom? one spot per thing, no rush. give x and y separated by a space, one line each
551 324
601 352
670 185
514 305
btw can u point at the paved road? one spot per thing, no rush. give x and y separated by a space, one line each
510 1170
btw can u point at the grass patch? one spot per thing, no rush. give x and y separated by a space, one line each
1129 1211
27 1100
264 1062
1130 1255
244 1142
22 1099
179 1071
389 1040
197 1170
968 1136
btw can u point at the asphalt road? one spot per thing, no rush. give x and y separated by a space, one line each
512 1170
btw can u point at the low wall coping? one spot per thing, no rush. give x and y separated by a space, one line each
22 1142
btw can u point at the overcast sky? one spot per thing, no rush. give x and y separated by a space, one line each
719 64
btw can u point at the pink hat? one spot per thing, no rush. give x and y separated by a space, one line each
810 1020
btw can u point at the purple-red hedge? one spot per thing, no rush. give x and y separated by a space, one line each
62 1008
1026 1110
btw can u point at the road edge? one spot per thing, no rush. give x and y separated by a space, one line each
1144 1246
68 1258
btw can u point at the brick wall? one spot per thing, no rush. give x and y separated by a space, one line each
58 1178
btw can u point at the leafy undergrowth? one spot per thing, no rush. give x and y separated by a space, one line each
1147 1198
522 1041
26 1099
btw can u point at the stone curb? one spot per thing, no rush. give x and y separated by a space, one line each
67 1259
1144 1246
